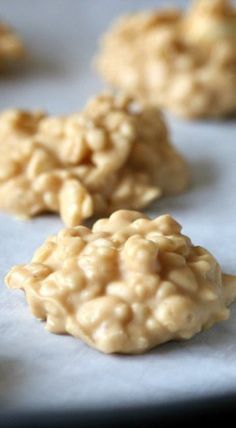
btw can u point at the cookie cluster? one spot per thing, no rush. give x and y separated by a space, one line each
184 62
125 286
115 154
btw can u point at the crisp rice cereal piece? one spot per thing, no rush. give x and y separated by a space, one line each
115 154
11 47
125 286
183 62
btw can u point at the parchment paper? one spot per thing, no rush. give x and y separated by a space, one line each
39 370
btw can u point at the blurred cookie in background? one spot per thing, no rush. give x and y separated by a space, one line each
184 62
11 47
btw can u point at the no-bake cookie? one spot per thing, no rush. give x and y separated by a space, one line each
115 154
125 286
11 47
184 62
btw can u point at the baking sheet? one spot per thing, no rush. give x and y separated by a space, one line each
39 370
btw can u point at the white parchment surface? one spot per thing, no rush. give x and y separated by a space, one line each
41 370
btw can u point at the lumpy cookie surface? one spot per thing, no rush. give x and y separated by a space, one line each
11 47
115 154
184 62
125 286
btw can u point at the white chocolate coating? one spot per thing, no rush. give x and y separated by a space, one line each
125 286
115 154
183 62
